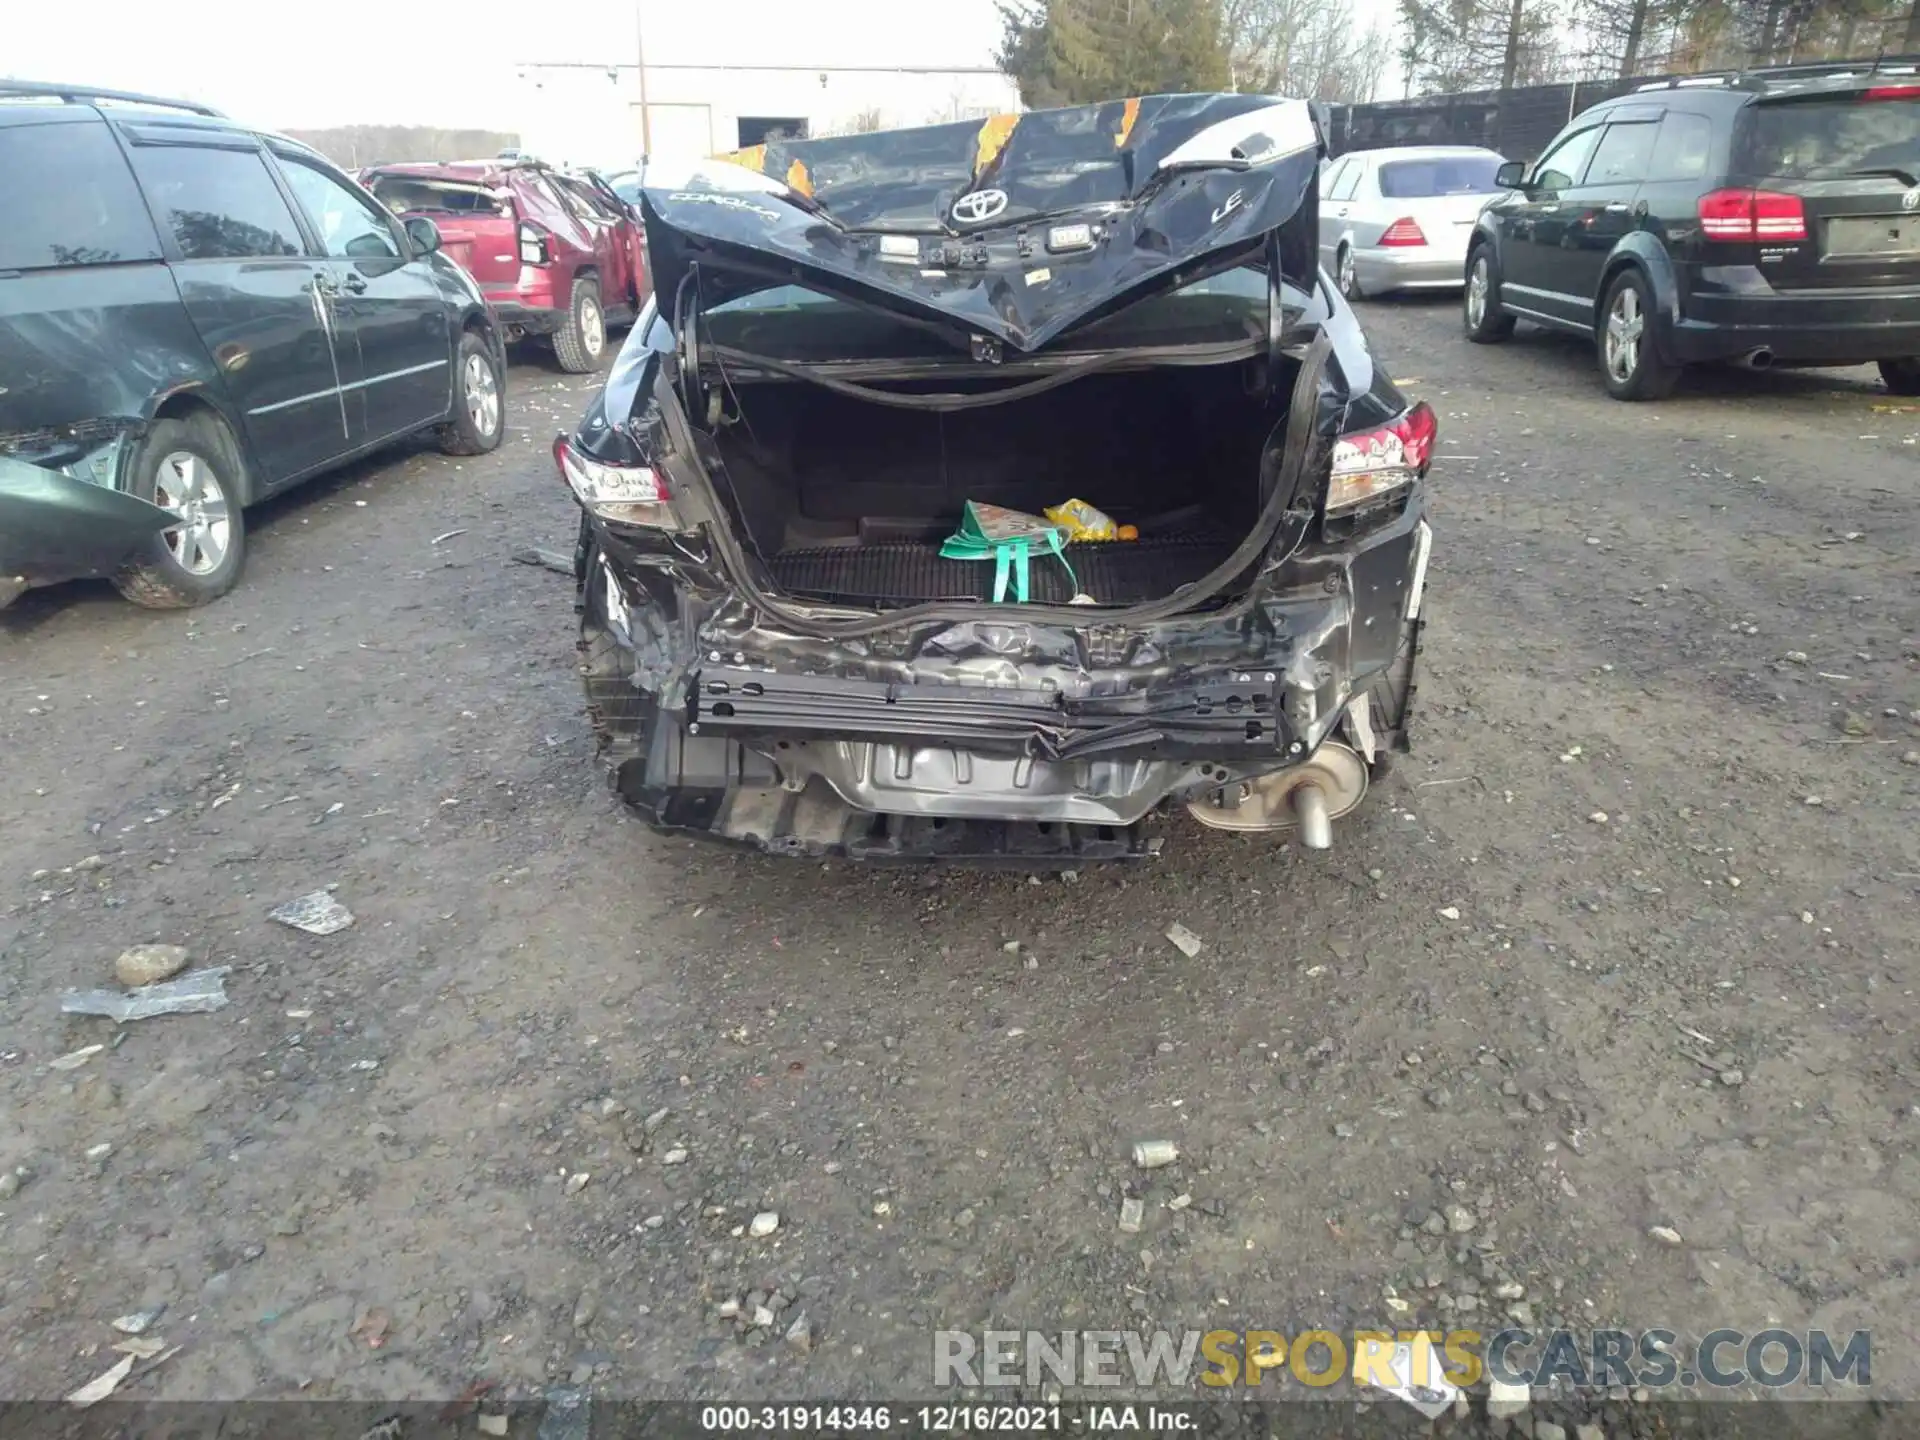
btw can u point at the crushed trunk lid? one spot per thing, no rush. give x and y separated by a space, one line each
1014 229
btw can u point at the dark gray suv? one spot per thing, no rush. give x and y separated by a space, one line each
193 316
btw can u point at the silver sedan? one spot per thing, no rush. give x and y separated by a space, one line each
1400 219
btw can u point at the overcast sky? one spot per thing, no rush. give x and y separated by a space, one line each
452 65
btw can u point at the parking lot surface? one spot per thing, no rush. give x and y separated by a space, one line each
1626 945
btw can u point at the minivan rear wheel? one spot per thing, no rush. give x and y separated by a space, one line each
478 419
582 339
192 467
1902 377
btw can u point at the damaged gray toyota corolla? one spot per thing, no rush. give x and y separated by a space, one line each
824 609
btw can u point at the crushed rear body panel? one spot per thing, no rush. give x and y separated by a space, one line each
860 339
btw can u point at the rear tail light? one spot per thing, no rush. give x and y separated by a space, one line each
1371 465
1892 92
624 494
1778 217
1752 216
533 245
1404 231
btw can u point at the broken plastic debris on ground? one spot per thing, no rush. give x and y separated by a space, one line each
546 559
1434 1394
317 914
200 993
138 1322
94 1391
1184 940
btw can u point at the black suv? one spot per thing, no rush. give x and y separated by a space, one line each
1769 218
836 596
194 315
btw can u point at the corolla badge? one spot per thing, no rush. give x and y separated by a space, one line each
726 202
978 205
1911 200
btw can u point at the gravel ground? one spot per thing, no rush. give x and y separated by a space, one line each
1627 943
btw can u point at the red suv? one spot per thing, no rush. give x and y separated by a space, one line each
556 254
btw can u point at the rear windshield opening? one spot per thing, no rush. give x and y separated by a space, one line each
1448 175
405 196
1826 139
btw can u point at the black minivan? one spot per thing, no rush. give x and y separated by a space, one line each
193 316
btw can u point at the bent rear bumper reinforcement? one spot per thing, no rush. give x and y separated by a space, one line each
1230 710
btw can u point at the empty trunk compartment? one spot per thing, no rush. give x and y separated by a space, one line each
848 500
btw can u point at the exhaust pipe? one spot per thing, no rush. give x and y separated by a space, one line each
1761 359
1310 809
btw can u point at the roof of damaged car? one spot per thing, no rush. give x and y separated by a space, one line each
971 224
470 172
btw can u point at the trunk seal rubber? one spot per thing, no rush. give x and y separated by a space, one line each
949 401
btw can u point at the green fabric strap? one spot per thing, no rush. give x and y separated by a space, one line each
1002 559
1012 561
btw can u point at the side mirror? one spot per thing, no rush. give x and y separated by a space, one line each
422 234
1511 175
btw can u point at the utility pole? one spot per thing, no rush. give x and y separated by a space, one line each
640 55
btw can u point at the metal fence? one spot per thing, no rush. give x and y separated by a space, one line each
1518 123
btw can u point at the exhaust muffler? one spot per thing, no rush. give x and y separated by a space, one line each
1309 796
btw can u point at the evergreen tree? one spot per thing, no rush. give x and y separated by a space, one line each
1072 52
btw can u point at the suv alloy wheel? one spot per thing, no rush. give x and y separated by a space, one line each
583 338
1486 322
1630 359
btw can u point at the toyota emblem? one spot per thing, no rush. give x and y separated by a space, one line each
1911 200
971 209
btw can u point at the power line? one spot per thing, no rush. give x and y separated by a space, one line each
803 69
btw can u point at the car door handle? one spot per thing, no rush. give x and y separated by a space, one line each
356 283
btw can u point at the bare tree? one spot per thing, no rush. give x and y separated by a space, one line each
862 122
1459 45
1620 35
1309 48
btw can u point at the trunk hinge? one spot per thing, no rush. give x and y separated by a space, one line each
1276 319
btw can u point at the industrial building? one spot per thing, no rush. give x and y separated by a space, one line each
593 114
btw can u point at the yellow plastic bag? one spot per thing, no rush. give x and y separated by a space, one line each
1082 522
